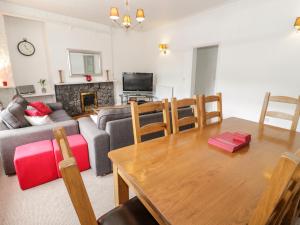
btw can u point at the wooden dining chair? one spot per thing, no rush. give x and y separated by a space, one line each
131 212
283 189
205 116
281 115
188 120
137 110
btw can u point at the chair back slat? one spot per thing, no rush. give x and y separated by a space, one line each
279 115
150 107
73 181
205 116
283 189
152 128
294 118
284 99
186 102
189 120
138 130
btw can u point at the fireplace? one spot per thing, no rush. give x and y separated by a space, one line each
88 101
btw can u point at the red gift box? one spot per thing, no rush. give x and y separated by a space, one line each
230 141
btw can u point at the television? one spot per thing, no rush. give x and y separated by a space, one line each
137 82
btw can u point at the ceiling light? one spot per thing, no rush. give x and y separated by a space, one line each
297 23
126 23
140 16
114 13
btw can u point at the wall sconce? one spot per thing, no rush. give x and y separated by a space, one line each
297 24
163 48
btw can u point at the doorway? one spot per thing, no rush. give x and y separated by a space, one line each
205 68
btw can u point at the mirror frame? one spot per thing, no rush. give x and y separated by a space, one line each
70 50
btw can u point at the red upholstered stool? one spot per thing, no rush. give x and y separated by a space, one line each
35 164
79 148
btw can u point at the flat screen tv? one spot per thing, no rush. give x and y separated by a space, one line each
137 82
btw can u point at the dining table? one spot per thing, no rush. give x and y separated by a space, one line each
183 180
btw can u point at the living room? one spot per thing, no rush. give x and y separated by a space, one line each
83 66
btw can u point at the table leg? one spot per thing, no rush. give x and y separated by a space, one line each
120 188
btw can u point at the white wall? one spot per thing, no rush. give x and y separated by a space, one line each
130 55
259 51
27 69
61 37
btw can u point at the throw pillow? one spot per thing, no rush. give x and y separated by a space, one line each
13 116
39 120
21 101
33 112
41 107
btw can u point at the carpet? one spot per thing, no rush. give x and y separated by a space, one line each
49 203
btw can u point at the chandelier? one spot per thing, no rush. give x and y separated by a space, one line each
126 23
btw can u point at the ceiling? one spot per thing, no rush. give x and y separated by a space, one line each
157 12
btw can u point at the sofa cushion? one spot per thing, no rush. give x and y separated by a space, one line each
13 116
21 101
3 126
41 107
38 120
109 114
59 116
33 112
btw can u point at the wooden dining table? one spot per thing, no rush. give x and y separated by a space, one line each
182 180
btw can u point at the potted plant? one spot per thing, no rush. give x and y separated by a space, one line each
42 82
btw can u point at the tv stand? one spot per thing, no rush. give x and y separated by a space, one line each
141 98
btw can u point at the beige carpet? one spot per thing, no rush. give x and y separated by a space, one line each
49 203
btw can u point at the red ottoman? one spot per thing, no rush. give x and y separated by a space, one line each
79 148
35 164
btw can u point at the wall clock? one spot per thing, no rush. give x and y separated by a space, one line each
26 48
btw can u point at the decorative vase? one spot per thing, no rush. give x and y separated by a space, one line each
107 75
5 84
88 78
44 90
61 80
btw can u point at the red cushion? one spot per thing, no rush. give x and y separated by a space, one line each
35 164
41 107
79 149
33 112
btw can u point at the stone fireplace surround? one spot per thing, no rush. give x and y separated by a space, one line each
69 95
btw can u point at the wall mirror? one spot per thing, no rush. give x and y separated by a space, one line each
83 62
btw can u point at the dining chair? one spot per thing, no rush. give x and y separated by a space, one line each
188 120
205 116
281 115
281 193
137 110
131 212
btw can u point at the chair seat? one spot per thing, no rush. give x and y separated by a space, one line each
132 212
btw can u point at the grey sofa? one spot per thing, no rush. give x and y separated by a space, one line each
113 131
11 138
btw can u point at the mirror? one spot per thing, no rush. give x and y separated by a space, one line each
85 63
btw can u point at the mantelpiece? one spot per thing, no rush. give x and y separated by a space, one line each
92 82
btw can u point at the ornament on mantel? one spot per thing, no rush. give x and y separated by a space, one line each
61 78
88 78
107 75
5 84
42 82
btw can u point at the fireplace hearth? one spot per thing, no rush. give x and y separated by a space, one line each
70 96
88 101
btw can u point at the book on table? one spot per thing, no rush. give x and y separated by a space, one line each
229 141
